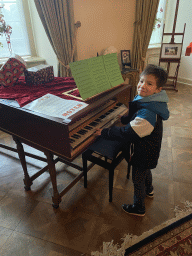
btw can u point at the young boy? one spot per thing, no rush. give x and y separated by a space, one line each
143 128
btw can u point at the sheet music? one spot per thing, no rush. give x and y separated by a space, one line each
96 75
90 76
55 106
82 77
13 103
112 69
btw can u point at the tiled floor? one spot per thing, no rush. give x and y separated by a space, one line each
29 225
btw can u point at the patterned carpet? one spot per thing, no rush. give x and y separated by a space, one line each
173 237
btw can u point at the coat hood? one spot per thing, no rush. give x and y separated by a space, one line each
156 103
161 97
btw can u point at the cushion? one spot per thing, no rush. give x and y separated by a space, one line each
12 70
108 148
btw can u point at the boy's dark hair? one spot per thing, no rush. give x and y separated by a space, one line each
159 73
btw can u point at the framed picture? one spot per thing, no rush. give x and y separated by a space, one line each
125 58
171 51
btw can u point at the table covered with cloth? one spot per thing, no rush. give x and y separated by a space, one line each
24 94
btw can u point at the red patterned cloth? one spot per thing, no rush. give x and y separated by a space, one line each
25 94
12 70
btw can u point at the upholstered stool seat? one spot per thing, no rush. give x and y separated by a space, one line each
112 153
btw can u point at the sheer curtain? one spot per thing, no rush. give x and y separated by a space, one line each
57 17
156 36
14 16
144 21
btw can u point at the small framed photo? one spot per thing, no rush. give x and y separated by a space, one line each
125 58
171 51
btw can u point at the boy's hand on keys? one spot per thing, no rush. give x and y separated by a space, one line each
98 131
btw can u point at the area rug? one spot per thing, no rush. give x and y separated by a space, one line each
172 238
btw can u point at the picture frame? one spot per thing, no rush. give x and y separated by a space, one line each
171 51
125 58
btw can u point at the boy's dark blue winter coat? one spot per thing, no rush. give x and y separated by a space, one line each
147 148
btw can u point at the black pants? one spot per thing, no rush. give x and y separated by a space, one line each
142 180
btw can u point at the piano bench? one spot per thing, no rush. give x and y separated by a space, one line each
109 150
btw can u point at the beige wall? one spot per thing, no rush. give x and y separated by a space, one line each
104 23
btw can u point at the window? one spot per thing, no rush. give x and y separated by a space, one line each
14 16
156 36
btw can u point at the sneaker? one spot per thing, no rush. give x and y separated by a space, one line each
132 209
151 195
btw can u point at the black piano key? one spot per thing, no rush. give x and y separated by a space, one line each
71 140
88 127
119 104
101 117
76 136
82 132
111 110
98 120
93 124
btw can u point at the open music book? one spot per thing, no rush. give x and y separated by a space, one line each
55 106
96 75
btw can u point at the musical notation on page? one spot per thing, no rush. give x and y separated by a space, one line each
55 106
96 75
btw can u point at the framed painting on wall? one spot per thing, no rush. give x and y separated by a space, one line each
171 51
125 58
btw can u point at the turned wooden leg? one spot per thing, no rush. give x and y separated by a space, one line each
27 180
56 198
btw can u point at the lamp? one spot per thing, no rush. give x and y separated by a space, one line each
188 50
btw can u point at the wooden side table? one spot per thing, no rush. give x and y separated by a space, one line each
133 76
